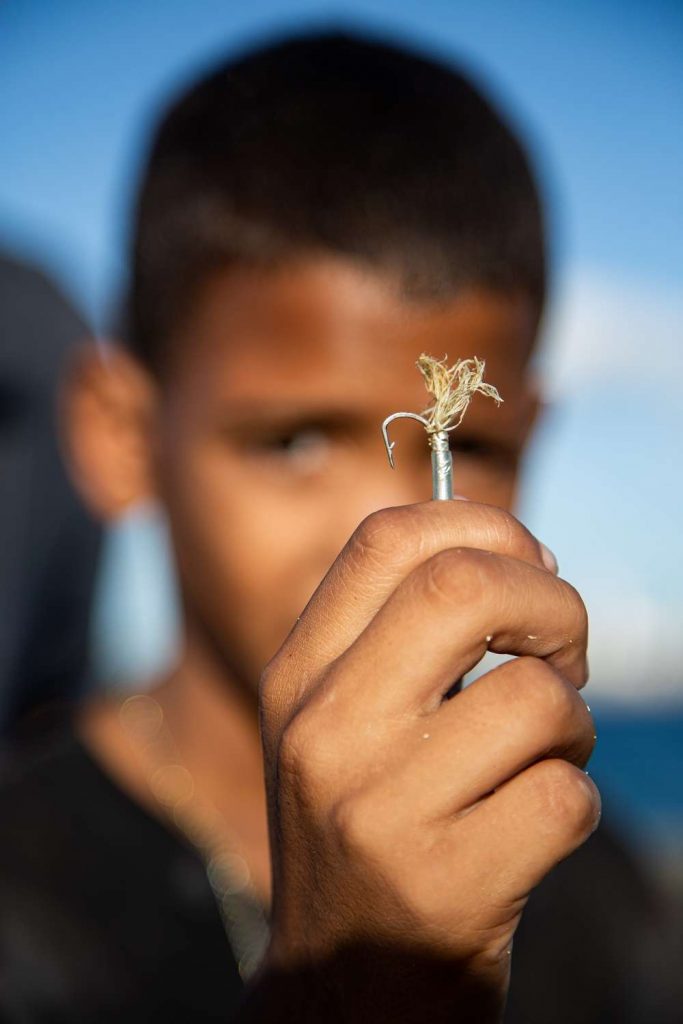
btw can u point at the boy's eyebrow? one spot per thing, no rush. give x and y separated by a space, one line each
249 416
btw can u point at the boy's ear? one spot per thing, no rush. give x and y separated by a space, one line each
107 412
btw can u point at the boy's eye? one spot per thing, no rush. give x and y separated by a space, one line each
477 448
305 450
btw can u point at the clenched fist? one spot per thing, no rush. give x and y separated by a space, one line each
408 826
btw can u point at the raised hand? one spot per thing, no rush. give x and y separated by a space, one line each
407 829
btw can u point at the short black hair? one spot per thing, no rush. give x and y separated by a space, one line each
330 142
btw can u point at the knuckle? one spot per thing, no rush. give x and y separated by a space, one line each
292 751
511 536
457 574
567 798
266 686
554 714
354 820
382 537
581 749
279 689
578 608
270 704
547 692
302 750
573 660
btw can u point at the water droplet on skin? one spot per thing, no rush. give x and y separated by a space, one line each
425 735
489 638
530 636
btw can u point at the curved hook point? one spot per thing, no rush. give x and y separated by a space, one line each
390 445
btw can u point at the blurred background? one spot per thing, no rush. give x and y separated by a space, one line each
597 90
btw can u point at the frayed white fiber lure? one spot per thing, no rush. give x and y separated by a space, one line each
452 388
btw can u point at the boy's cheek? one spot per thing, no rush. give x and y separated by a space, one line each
249 574
486 484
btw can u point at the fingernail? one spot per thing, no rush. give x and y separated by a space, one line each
460 497
549 560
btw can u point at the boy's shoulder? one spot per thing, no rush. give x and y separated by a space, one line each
59 806
53 802
97 899
35 776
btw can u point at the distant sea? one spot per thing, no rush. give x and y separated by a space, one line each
638 765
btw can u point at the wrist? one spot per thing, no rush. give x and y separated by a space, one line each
363 983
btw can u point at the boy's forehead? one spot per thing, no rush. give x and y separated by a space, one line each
340 332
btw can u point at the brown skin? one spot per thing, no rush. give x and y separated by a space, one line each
261 440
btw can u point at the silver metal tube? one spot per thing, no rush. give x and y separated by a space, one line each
442 467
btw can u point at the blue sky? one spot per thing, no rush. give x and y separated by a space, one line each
597 87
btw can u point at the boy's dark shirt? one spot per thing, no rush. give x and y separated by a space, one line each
105 915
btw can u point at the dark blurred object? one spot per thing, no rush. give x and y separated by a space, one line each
598 942
48 545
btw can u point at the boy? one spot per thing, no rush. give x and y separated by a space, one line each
313 217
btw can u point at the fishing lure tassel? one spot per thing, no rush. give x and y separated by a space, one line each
452 389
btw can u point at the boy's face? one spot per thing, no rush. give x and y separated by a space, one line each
265 444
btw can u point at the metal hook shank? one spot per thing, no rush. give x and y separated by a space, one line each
442 466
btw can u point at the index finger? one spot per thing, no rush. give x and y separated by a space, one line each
382 552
